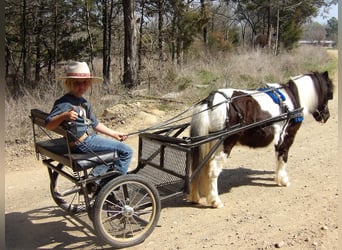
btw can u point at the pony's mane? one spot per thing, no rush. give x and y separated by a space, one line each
293 93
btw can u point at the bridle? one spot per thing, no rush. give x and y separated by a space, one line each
322 113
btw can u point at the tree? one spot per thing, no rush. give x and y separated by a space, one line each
40 35
130 47
107 10
187 22
314 32
285 16
332 29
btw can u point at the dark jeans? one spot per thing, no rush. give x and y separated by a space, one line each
99 143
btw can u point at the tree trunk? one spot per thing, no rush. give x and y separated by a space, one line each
38 54
55 43
130 48
24 46
160 30
140 49
109 43
90 38
205 28
277 35
105 50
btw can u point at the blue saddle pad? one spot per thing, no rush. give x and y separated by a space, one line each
274 93
277 97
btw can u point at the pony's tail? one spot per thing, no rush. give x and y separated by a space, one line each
199 127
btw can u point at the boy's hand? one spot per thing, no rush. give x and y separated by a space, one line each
123 137
120 136
71 114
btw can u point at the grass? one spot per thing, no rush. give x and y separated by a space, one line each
197 78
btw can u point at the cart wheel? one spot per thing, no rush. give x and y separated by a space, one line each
126 211
65 193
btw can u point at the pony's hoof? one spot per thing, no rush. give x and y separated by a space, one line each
217 204
282 179
287 184
193 200
284 182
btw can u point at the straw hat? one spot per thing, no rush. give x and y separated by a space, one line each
79 70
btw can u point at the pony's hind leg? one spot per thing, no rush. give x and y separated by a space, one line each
205 184
194 196
215 168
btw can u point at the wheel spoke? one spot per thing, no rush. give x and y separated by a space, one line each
126 210
65 192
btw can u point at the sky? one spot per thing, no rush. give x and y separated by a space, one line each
333 12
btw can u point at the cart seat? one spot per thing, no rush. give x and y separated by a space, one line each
57 150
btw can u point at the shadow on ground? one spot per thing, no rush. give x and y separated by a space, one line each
49 228
52 228
229 179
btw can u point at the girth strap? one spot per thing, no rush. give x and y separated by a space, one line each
228 101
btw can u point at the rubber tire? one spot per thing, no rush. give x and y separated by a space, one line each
143 220
73 202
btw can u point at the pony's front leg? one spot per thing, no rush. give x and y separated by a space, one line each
215 169
281 178
282 151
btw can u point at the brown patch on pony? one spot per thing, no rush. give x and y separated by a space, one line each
245 109
282 147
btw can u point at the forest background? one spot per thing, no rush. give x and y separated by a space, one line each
154 48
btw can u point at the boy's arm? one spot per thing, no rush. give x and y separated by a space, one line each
101 128
55 121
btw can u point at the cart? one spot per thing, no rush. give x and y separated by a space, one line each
125 209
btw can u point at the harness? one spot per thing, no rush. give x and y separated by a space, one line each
279 98
274 93
228 100
298 117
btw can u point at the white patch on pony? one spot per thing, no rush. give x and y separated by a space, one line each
282 179
200 120
217 116
307 93
215 169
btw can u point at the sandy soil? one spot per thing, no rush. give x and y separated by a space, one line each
257 213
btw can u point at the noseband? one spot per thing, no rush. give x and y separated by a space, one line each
321 114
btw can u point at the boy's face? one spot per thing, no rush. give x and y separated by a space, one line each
80 86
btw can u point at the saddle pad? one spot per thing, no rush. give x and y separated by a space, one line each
274 93
278 98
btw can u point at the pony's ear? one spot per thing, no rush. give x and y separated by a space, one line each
326 75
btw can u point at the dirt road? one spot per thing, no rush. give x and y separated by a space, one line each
257 213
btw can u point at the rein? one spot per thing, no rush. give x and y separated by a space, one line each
178 117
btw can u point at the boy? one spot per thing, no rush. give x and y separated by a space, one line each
73 107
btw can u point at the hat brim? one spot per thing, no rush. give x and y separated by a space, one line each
93 79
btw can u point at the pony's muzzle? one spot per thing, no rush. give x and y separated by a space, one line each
322 115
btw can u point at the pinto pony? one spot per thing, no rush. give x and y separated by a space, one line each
227 107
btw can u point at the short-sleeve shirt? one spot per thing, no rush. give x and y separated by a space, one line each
85 118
